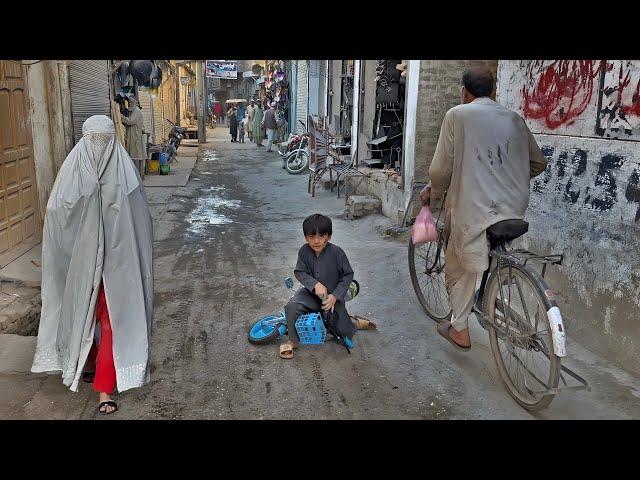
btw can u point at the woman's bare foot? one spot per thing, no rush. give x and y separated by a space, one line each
105 397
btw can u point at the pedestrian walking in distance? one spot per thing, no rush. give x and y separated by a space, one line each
270 124
258 115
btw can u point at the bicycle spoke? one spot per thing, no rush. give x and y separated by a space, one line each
522 334
431 284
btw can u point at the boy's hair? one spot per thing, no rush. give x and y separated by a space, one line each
317 224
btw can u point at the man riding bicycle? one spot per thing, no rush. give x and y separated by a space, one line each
484 160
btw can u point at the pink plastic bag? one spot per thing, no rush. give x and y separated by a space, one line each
424 229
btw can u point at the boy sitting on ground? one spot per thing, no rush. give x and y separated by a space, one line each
325 273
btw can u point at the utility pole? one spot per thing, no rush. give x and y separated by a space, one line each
200 71
177 94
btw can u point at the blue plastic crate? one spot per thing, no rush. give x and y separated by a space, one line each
311 329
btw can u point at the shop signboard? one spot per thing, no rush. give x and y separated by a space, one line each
222 69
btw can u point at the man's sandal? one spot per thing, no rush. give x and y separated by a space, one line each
108 403
363 323
443 329
286 351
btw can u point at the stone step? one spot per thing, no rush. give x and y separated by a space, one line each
361 205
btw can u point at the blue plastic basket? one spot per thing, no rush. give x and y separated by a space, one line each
311 329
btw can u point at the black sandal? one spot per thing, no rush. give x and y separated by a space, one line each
87 377
108 403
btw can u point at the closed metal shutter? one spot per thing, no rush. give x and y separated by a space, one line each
302 95
90 92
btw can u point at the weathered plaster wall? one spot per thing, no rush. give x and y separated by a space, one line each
587 203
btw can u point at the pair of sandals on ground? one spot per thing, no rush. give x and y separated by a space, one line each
361 323
106 407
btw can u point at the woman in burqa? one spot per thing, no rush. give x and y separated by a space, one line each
97 273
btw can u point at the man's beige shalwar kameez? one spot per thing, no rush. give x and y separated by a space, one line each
484 159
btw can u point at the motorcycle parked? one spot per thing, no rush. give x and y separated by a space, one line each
171 145
295 152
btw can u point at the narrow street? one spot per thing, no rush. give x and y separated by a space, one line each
223 245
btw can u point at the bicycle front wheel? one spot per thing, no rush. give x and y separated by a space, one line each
426 267
521 340
267 329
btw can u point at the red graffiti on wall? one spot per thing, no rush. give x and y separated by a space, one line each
558 91
634 108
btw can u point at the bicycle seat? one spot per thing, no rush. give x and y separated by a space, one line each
506 231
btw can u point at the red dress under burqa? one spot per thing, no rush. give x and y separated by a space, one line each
105 377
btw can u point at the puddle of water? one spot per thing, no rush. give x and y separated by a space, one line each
209 156
210 210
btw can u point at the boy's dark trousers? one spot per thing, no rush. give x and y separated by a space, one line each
305 302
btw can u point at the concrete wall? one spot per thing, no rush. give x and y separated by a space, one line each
587 204
51 126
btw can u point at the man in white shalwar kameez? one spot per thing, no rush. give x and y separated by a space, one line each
484 160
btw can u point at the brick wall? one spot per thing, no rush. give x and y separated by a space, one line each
439 90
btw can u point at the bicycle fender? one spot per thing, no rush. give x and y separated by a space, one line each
558 334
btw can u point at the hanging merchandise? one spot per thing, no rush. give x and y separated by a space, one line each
146 72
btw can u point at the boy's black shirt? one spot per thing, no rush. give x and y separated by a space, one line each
331 268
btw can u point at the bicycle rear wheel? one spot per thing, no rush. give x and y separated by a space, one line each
426 267
522 345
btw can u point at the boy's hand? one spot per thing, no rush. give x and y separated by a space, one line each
320 290
329 302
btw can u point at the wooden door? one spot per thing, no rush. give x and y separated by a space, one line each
20 227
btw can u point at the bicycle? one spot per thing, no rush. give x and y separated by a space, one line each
268 328
514 304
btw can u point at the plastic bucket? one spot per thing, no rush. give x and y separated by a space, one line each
153 166
164 158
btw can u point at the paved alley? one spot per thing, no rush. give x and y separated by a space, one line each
223 245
